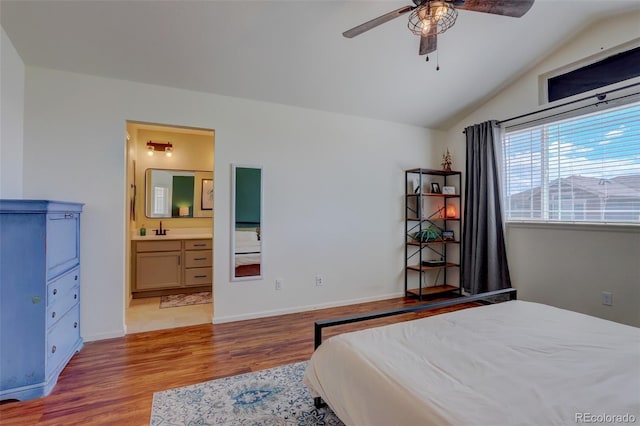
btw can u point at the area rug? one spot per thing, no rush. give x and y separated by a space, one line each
175 300
270 397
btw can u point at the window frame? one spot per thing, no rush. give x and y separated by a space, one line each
543 86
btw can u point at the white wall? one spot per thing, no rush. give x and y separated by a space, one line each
562 265
12 74
333 185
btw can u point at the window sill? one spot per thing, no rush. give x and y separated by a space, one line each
575 226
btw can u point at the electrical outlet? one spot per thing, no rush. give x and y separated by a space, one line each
279 283
607 298
319 280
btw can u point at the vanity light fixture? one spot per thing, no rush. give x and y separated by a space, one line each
165 147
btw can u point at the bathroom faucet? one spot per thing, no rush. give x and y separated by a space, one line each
161 231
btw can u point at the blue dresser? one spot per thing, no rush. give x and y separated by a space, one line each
39 294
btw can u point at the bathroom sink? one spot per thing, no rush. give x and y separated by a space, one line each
176 234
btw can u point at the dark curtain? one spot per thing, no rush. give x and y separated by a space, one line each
484 257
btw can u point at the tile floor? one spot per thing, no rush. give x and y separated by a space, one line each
145 315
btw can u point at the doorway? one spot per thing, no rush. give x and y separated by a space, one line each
169 226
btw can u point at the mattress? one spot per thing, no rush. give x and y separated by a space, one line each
247 242
512 363
247 259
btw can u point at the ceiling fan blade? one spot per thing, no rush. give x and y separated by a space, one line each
513 8
428 44
377 21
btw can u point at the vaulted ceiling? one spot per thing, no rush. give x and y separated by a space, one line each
293 52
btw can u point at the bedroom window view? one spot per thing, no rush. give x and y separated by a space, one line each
581 169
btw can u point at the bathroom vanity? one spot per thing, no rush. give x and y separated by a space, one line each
164 265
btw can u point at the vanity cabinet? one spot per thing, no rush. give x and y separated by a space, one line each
39 294
171 266
158 264
197 264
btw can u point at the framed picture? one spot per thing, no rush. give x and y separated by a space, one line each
449 190
207 194
448 235
435 188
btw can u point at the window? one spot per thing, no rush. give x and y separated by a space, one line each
613 69
579 169
615 66
161 199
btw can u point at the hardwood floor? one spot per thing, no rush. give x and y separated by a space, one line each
112 381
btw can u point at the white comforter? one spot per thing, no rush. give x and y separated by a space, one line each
512 363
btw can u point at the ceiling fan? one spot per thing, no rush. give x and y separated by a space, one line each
429 18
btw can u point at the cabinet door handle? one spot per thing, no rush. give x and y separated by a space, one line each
199 258
199 245
199 276
55 291
53 349
75 296
75 278
75 324
178 260
53 314
68 215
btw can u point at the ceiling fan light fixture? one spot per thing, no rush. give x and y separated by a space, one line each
432 17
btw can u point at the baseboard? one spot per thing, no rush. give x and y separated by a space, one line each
263 314
103 336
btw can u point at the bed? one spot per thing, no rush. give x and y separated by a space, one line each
510 363
247 256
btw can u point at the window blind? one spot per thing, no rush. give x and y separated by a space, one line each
578 169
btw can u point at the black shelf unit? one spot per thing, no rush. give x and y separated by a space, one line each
428 211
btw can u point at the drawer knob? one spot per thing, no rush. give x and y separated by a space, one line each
200 258
55 291
75 324
53 314
53 349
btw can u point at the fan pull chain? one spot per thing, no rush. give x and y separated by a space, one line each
437 61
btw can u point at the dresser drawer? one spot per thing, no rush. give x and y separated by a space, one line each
59 287
197 244
62 338
64 302
63 242
197 259
198 276
169 245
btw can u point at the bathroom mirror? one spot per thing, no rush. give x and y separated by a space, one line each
246 222
178 193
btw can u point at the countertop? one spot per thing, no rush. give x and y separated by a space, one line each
174 234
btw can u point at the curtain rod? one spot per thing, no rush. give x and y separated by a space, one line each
600 96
